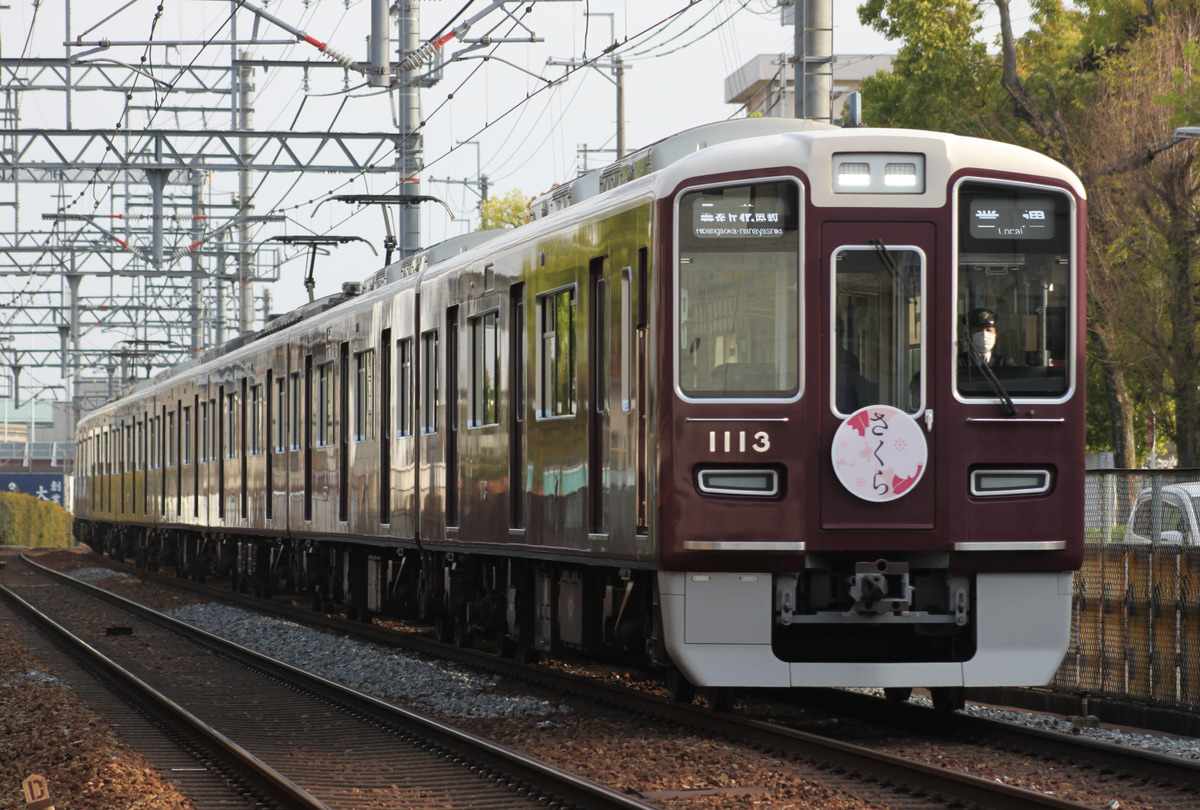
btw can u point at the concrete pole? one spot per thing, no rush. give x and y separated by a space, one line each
219 319
74 279
245 207
619 69
412 159
157 178
380 74
195 308
814 59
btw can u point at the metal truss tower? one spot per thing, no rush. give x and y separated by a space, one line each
107 230
130 267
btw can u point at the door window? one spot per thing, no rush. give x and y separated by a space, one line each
878 321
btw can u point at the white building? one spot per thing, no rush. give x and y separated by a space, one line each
764 84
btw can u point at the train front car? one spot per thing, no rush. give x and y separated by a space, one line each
871 411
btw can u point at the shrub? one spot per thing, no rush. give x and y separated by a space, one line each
29 521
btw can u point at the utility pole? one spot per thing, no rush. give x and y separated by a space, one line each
129 270
479 185
245 123
412 158
195 308
618 68
814 59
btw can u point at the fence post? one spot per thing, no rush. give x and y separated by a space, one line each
1107 492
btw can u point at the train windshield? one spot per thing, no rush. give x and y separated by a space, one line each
877 317
738 292
1014 292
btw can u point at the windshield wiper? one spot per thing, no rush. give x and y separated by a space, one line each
1006 403
885 256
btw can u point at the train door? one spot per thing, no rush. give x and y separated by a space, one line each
599 333
518 352
453 386
406 430
876 285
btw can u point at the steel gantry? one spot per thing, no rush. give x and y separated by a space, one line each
128 241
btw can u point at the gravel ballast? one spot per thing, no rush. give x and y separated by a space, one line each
439 688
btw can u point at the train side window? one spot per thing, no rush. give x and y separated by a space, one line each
878 338
213 416
520 353
429 382
231 407
627 339
557 392
256 415
323 406
295 416
364 396
404 381
204 431
172 438
601 351
279 430
1016 287
186 432
485 371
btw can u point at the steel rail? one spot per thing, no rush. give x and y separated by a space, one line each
918 776
260 776
548 779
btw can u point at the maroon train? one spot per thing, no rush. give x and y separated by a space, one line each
716 404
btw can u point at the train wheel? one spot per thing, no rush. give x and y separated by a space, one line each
679 687
897 694
443 628
948 699
720 698
462 634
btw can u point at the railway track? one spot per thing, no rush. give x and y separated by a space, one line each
916 777
1113 758
290 740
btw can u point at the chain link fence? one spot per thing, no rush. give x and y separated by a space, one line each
1136 622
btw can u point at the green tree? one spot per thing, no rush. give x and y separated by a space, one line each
1099 85
939 77
508 211
1145 218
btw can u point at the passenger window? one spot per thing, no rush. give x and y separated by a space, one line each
295 412
256 417
878 341
323 407
557 313
364 396
429 382
485 371
404 404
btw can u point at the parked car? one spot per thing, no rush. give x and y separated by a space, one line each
1180 503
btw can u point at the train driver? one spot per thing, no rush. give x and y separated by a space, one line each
981 342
